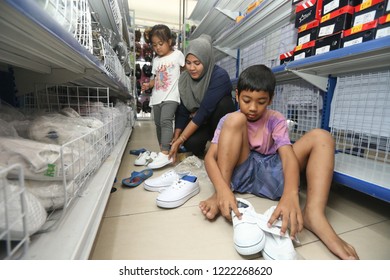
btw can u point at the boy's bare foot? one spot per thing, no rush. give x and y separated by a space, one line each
319 225
209 207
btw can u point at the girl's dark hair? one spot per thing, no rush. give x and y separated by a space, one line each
163 33
257 78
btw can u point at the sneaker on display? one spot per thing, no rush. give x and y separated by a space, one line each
160 161
163 181
248 237
277 247
179 192
145 157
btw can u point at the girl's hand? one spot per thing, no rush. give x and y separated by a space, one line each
145 86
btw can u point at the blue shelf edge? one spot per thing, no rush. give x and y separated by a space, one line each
362 186
365 47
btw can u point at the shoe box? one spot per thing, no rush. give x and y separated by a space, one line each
307 11
383 28
328 43
329 6
307 32
368 11
387 6
336 21
304 51
286 57
360 33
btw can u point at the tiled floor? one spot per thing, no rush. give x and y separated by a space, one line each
134 228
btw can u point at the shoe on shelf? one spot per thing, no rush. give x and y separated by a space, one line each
163 181
179 192
145 157
249 238
160 161
277 247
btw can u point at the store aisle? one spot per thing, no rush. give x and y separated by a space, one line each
134 228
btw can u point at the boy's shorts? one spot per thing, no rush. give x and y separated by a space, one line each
261 175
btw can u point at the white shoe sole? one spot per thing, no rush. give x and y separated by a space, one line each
154 188
177 203
157 166
250 249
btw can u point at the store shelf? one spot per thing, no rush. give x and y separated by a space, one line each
80 224
220 14
365 175
366 56
201 9
265 18
44 52
213 21
108 12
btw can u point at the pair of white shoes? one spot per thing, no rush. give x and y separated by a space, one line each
175 188
252 234
152 160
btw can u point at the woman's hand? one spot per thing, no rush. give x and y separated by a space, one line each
175 145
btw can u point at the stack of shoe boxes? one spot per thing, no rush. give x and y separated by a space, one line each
307 16
383 28
326 25
364 22
336 17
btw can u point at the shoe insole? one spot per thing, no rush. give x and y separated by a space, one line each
189 178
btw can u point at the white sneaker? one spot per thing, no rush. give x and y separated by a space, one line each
145 157
160 161
277 247
179 192
248 237
163 181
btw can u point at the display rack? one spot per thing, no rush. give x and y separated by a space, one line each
44 52
79 226
40 51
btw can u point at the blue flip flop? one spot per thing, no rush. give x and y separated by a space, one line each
137 152
137 177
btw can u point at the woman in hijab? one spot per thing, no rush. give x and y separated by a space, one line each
205 96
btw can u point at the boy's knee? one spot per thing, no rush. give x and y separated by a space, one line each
236 119
322 136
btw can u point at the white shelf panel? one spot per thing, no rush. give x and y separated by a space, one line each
265 18
369 176
73 237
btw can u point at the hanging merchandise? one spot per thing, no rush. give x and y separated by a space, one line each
146 35
138 72
138 88
148 53
138 35
147 69
138 51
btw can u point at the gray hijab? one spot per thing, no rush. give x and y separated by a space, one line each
192 91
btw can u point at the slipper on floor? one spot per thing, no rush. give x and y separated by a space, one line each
137 152
137 177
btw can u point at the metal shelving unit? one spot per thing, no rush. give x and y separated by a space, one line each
40 52
43 52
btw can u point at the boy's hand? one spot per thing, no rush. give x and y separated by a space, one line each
227 203
289 212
